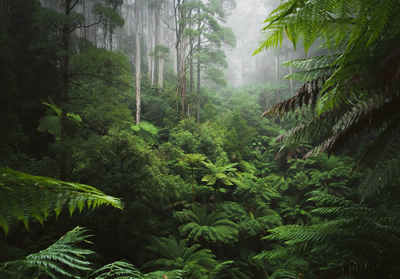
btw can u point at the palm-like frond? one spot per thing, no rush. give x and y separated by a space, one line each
290 264
24 196
310 69
284 274
174 254
166 274
220 268
63 258
117 270
377 115
306 95
202 225
220 171
352 230
355 92
338 21
125 270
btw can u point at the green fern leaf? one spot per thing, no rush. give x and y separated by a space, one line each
62 258
24 196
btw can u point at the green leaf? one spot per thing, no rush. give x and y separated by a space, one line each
24 196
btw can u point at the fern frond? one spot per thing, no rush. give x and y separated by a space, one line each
199 224
364 116
294 234
219 268
117 270
62 258
306 95
24 196
386 172
321 198
312 130
170 274
276 254
176 255
284 274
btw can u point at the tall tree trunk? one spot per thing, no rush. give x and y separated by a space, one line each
277 67
180 24
198 99
291 85
84 12
148 39
161 74
138 63
153 35
111 32
182 81
65 40
191 42
198 71
161 62
96 29
157 35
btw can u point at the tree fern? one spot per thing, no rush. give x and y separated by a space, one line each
220 171
355 92
166 274
117 270
286 261
310 69
201 225
349 237
63 258
173 254
24 196
284 274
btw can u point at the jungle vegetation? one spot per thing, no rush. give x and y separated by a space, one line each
125 153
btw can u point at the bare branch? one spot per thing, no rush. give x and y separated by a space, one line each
72 6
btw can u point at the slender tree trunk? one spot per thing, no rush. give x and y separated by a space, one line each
161 63
291 85
65 39
84 12
191 70
198 89
161 74
153 44
191 42
161 60
198 71
96 29
277 67
157 35
148 38
183 85
138 64
111 31
105 35
179 15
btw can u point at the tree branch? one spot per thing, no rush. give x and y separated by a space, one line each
73 6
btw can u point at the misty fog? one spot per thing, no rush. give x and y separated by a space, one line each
247 21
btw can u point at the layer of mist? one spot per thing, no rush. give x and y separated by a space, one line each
247 21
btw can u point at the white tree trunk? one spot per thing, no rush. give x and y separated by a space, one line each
138 64
161 60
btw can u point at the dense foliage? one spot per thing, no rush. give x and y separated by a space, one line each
212 192
349 96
